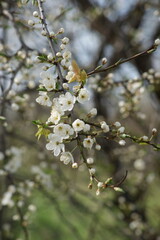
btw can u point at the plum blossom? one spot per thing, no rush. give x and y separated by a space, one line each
78 125
104 126
44 100
66 157
67 101
55 144
63 130
88 142
83 95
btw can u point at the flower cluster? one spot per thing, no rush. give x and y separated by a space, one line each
63 89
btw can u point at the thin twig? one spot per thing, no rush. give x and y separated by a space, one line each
120 61
45 27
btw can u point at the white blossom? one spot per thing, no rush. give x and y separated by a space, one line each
55 144
69 131
69 75
44 100
60 130
67 101
93 112
83 95
65 40
87 128
55 117
104 126
66 157
63 130
88 142
117 124
121 129
67 55
49 85
78 125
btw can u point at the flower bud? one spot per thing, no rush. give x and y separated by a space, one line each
31 23
157 42
35 14
104 61
74 165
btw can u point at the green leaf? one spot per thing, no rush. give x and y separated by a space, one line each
55 40
42 131
108 181
118 189
42 58
42 89
2 118
143 143
83 76
37 122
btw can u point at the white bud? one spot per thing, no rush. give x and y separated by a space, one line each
62 46
58 54
154 131
98 192
157 42
122 142
52 34
50 56
100 184
44 33
31 23
65 86
61 30
92 171
117 124
90 160
45 68
98 147
121 129
144 138
65 40
93 112
74 165
104 61
35 14
104 126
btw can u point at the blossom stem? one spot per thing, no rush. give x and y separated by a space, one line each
121 61
45 27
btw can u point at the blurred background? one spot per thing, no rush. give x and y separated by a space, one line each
40 197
